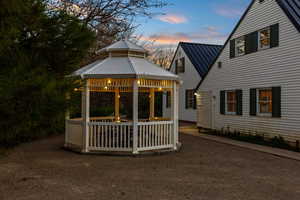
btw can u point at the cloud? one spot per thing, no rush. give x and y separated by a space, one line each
228 11
173 18
205 35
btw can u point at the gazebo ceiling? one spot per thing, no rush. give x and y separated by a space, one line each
124 67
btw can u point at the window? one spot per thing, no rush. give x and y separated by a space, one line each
264 101
168 99
230 102
264 38
190 99
240 46
180 65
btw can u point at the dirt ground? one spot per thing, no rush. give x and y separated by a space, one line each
202 170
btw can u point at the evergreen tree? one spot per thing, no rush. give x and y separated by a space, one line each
38 48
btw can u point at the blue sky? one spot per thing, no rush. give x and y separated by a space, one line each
204 21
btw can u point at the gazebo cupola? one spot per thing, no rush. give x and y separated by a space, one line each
125 70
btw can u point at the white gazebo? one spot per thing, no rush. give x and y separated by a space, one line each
124 70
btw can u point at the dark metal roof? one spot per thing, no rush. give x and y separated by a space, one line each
292 10
201 55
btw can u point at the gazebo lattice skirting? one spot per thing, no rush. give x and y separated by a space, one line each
114 134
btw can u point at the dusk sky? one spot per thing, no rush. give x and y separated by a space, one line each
203 21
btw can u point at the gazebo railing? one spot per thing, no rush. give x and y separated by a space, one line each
155 135
108 136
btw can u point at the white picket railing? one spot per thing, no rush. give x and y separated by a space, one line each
110 136
73 133
155 135
118 136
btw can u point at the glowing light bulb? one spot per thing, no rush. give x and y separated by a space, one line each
105 87
138 82
109 81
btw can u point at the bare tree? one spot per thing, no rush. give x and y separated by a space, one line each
162 56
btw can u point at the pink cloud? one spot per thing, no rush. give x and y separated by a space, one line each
206 35
173 18
227 11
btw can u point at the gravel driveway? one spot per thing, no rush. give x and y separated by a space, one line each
202 170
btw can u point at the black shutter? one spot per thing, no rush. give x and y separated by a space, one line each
222 102
183 64
251 42
186 99
232 48
276 102
253 102
239 102
274 35
168 100
176 66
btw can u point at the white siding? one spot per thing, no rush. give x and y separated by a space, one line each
278 66
190 79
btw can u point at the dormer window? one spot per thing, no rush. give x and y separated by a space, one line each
264 38
240 46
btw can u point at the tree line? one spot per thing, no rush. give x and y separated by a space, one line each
42 41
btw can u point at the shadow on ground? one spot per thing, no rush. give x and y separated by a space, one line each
202 170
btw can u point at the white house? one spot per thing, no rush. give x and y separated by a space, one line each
190 63
254 83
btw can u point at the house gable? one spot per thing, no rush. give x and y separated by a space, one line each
200 55
245 25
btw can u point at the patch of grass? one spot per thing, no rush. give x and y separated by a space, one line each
257 138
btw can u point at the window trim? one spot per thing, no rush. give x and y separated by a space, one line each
236 46
259 39
258 113
226 103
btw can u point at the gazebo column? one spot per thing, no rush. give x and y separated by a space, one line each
135 115
67 117
152 104
175 114
85 112
117 104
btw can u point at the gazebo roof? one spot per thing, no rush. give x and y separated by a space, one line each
124 67
123 45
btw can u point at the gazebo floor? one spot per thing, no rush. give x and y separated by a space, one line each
77 149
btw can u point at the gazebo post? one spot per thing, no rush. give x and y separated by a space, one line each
175 114
85 115
135 116
67 117
152 104
117 104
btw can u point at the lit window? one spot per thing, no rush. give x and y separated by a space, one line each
264 101
264 38
240 46
231 102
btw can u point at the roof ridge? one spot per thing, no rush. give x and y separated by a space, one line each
196 43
